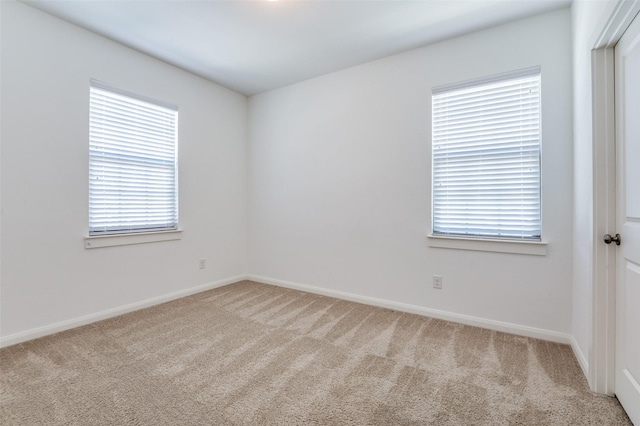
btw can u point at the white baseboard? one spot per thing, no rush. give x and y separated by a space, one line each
109 313
582 360
506 327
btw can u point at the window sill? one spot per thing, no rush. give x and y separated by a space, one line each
98 241
535 248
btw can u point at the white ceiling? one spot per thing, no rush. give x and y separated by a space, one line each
254 46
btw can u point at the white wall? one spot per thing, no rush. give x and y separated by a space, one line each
589 19
338 180
339 172
47 275
583 16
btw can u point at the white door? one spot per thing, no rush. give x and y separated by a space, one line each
627 81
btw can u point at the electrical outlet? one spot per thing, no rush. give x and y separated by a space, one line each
437 282
202 263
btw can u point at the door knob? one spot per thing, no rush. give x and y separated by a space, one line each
608 239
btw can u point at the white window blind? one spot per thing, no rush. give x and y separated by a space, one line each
486 157
132 163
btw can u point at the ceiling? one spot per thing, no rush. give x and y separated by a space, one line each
255 46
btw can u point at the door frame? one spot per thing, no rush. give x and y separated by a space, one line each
601 373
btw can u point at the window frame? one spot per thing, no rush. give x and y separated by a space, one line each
136 234
493 242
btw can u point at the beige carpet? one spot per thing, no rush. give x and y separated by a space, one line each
252 354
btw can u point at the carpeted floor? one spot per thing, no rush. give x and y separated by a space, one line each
253 354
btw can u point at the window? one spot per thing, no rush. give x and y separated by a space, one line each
132 163
486 157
